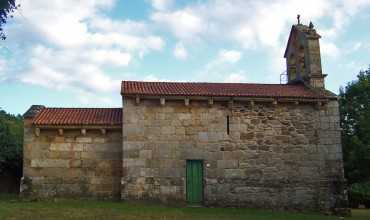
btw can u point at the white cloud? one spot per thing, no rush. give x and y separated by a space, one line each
61 23
222 68
231 56
162 5
180 52
59 70
255 24
224 60
2 69
2 65
235 78
329 49
121 26
185 24
90 99
357 46
247 22
108 57
153 78
126 42
72 44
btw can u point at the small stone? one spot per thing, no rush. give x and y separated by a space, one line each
246 136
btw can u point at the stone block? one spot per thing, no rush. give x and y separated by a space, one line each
247 136
131 154
77 147
184 116
226 164
168 130
59 139
203 136
147 154
170 172
129 145
83 139
134 162
234 173
169 190
40 163
149 172
60 147
99 140
88 163
75 163
165 150
88 155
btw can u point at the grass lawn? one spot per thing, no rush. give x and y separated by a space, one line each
12 208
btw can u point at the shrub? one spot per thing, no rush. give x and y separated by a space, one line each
11 142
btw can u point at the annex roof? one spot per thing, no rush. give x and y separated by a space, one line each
78 116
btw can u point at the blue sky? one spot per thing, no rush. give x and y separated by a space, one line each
75 53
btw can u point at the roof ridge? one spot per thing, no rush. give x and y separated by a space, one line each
190 82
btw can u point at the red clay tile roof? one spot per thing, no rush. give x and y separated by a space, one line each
79 116
221 89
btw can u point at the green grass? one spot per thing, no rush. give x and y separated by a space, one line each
12 208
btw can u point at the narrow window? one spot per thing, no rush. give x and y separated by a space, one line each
228 125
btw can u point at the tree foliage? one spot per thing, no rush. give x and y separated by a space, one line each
11 141
355 121
6 8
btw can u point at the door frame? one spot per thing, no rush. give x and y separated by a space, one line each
186 179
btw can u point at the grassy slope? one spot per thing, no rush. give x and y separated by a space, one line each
11 208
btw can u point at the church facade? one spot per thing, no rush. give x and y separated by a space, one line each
217 144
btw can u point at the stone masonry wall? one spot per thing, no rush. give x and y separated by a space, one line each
72 165
333 191
276 156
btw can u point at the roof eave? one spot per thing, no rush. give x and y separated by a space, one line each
205 97
65 126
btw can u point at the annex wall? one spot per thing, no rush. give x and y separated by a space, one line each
72 164
275 156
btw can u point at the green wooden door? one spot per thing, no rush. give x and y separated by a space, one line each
194 181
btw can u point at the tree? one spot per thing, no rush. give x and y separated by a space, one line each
6 7
11 142
355 120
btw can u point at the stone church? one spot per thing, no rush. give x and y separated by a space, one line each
272 146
